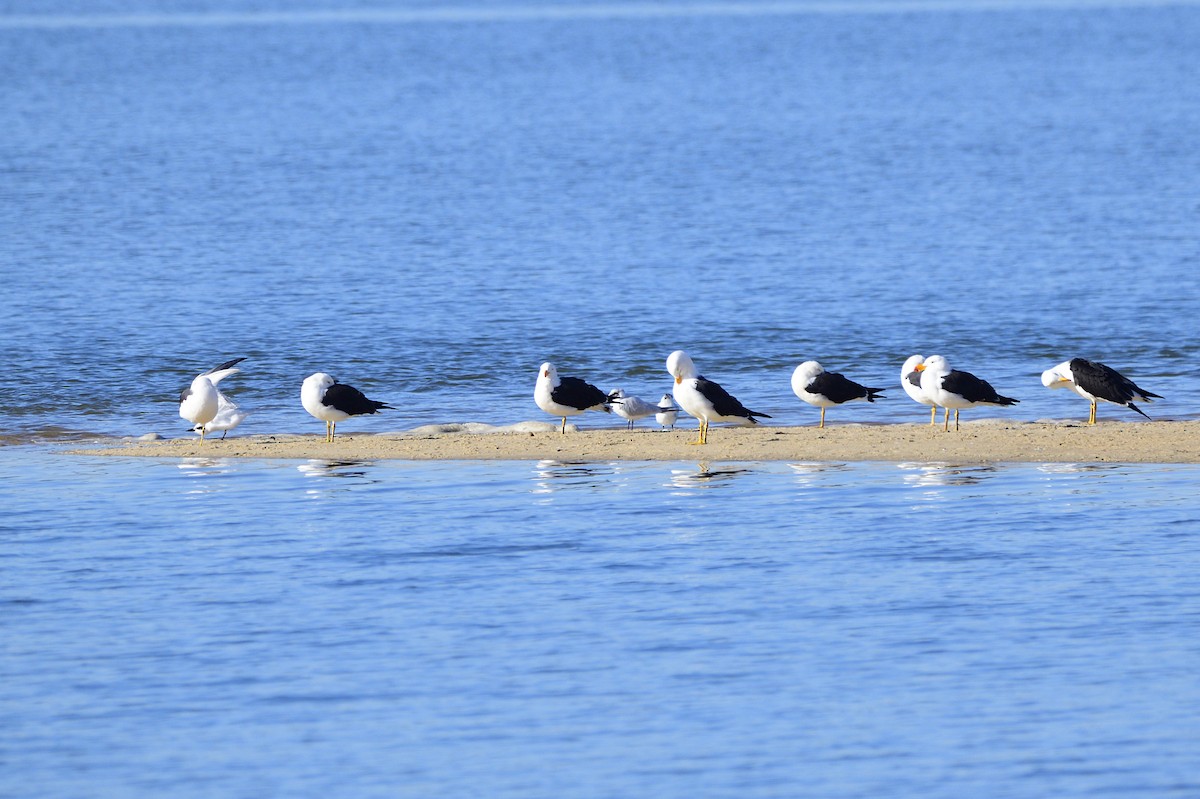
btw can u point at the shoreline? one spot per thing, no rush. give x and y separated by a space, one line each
984 441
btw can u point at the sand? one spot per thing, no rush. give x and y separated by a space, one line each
986 441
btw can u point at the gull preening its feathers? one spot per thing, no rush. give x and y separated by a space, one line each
704 399
202 402
1094 381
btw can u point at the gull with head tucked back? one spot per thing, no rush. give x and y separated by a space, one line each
331 402
910 379
704 399
814 385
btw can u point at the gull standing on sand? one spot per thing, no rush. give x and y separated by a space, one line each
1094 381
331 401
200 402
630 408
704 399
910 379
566 396
814 385
951 388
668 412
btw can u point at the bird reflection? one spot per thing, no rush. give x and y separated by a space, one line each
924 475
204 469
553 475
704 476
324 468
812 473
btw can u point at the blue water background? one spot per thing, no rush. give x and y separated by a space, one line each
431 209
627 629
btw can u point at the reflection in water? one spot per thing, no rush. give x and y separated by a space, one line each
937 475
810 473
353 474
204 469
552 475
324 468
703 477
1090 469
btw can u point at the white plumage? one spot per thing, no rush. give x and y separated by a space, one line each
630 408
704 399
202 402
910 379
668 412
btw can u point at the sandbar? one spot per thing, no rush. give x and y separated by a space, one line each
985 441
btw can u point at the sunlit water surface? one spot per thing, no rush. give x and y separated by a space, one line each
236 628
428 203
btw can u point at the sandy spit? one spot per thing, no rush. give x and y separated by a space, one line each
989 441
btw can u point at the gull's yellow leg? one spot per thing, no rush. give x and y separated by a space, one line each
701 432
932 415
956 420
946 421
564 427
822 424
1092 413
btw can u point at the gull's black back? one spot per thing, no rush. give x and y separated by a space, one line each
973 389
1107 383
349 399
576 393
724 403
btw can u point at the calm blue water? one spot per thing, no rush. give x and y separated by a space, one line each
238 628
428 209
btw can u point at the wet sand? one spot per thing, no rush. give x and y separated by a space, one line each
986 441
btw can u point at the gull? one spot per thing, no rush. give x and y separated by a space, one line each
200 402
704 399
950 388
668 412
814 385
566 396
630 408
331 401
1094 381
910 379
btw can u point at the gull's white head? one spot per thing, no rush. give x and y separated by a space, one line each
1058 377
915 363
936 364
318 381
804 374
680 366
548 372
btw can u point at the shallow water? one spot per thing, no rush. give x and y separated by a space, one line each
429 210
546 629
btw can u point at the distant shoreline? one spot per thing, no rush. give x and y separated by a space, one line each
988 441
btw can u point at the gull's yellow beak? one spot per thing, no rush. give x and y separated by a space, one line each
678 379
920 367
